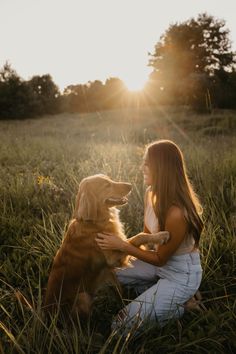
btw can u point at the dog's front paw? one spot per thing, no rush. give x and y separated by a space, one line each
163 237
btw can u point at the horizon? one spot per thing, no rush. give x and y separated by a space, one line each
87 40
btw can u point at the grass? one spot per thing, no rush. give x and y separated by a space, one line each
42 162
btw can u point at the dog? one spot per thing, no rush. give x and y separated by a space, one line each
80 267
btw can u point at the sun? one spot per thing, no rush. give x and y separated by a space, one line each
135 83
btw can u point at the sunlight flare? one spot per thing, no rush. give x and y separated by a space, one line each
135 83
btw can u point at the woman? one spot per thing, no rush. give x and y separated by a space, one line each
173 271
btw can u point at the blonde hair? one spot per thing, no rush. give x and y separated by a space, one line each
171 186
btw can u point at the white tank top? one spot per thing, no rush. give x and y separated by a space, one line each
151 222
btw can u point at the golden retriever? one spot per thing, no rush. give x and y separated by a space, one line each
80 267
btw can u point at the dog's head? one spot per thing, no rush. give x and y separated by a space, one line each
97 194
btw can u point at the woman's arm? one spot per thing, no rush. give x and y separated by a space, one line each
112 242
176 225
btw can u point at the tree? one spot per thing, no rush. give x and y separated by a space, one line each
75 98
45 94
24 99
95 95
115 93
13 94
84 98
190 53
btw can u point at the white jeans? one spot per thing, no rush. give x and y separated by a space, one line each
164 298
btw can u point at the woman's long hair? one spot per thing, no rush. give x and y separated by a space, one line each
171 186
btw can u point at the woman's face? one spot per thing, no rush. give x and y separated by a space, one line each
147 178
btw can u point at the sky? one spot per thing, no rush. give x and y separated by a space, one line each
77 41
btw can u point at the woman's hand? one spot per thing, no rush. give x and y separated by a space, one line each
110 242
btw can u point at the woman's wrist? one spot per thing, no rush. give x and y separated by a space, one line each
144 255
125 247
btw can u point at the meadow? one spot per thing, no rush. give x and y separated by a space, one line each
42 162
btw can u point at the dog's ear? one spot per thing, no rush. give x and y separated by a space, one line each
86 206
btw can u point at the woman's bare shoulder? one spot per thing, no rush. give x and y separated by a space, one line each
176 223
175 214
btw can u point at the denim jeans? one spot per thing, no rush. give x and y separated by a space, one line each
167 289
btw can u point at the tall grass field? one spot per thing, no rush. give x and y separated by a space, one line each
42 163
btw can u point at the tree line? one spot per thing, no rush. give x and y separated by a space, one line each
22 99
192 64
